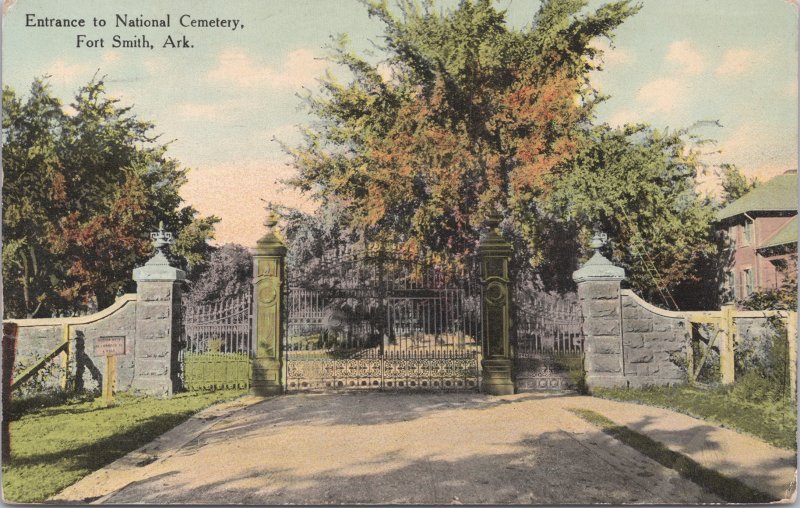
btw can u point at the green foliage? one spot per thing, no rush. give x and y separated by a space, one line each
227 272
762 365
734 183
772 421
81 192
783 298
637 184
54 447
473 114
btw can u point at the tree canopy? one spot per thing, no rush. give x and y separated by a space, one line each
83 187
464 116
637 184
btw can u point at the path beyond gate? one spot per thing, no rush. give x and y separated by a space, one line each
379 320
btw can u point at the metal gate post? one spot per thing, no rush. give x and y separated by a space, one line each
268 263
495 253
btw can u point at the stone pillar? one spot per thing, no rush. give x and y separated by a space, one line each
495 254
158 322
599 295
268 263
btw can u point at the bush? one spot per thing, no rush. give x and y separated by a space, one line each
762 365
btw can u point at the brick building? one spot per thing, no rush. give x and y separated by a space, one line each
762 228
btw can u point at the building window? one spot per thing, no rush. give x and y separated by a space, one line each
747 233
730 283
732 236
747 276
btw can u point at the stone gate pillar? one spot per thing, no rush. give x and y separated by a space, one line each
268 263
599 295
495 253
158 322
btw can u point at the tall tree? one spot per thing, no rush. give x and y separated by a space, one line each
473 115
734 183
638 185
228 272
81 193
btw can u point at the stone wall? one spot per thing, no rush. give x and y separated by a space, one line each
37 337
654 342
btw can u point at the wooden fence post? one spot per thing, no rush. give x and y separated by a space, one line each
726 348
65 374
791 337
10 332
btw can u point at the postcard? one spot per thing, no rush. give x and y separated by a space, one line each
376 252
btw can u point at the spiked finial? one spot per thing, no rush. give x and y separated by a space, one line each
598 240
161 238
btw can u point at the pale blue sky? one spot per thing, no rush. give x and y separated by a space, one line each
674 63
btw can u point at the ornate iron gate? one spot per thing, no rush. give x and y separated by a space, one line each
547 341
217 344
372 320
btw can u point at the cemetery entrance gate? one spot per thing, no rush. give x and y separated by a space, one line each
382 321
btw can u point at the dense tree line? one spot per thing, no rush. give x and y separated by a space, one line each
83 188
465 115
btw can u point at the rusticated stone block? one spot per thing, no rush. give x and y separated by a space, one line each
596 327
639 356
599 290
602 363
152 312
664 325
603 345
634 340
637 325
603 308
155 292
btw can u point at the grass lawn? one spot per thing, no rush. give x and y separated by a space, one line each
774 422
53 447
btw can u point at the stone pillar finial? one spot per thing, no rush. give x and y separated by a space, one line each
161 238
598 267
599 295
158 320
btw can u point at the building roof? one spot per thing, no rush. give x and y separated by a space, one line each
776 195
787 234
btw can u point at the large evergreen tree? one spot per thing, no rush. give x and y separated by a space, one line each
81 193
474 114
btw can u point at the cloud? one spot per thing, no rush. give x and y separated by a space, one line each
612 55
197 111
219 190
685 56
66 73
111 57
622 117
737 61
237 68
663 95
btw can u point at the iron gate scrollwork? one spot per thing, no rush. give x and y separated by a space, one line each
217 344
547 340
375 320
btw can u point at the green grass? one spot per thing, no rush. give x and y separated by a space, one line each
53 447
774 422
729 489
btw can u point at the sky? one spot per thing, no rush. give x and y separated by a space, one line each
223 101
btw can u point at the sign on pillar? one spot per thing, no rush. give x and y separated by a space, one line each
495 254
109 347
268 262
